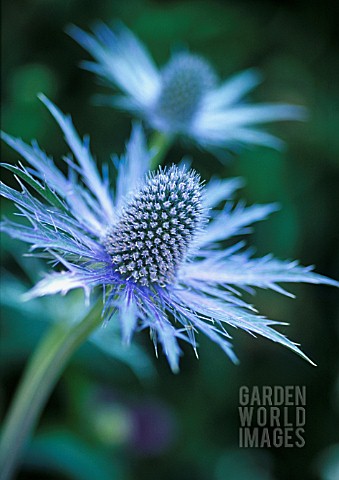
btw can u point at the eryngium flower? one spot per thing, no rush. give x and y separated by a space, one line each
185 97
152 243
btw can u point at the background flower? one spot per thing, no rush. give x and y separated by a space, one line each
184 97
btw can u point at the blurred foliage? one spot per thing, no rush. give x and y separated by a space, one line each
103 421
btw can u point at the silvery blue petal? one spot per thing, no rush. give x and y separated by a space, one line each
242 271
217 190
132 167
232 90
122 59
234 126
54 283
230 222
128 316
82 153
237 318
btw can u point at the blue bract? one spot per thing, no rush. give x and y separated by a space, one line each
185 97
151 243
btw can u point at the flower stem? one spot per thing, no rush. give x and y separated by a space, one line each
41 375
161 143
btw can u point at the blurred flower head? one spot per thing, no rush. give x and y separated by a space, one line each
185 97
151 243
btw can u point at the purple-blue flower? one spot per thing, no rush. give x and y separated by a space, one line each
185 97
151 243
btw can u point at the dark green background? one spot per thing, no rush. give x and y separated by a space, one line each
188 423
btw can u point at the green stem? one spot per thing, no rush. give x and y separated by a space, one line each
41 375
161 143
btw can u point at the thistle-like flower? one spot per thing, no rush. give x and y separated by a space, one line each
151 244
185 97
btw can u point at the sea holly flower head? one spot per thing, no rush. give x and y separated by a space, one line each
185 97
155 230
150 243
